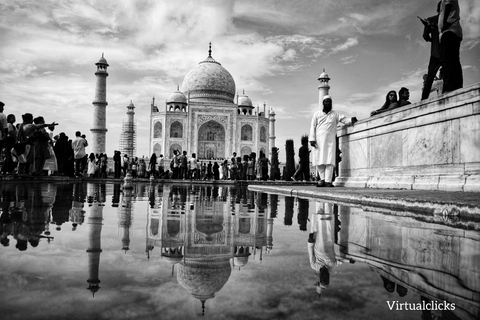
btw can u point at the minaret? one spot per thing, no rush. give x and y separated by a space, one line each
129 133
99 128
94 236
272 137
323 88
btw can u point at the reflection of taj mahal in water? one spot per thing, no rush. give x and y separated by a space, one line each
203 118
206 232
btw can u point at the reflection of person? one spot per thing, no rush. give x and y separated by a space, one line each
430 34
451 35
390 103
322 137
321 244
388 285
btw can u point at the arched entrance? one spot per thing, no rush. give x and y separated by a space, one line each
211 140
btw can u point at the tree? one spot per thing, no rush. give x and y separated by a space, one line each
290 161
274 171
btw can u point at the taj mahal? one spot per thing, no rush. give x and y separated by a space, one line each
207 117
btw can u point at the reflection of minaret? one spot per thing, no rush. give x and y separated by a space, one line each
100 103
94 221
272 213
125 218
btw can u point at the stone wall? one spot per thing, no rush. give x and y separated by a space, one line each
433 144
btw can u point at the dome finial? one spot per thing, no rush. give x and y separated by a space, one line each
178 87
210 50
243 91
203 308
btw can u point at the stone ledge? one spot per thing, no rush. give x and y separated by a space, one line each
437 203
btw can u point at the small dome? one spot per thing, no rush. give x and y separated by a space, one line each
324 75
102 60
177 97
244 101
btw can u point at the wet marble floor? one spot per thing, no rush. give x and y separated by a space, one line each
163 251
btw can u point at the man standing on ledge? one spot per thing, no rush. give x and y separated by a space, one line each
323 131
450 37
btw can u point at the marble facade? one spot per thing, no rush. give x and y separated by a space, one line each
205 119
431 145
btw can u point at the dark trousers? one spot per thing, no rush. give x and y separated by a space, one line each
117 168
302 172
79 166
450 59
433 67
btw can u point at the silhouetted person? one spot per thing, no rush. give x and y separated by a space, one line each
302 172
403 96
451 35
216 171
430 34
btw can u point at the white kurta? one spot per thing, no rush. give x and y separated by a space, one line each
322 253
323 131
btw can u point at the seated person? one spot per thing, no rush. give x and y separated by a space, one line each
403 96
390 103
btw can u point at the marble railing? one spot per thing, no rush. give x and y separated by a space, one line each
433 144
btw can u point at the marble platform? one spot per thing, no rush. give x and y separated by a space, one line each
433 144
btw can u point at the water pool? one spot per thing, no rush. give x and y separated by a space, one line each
163 251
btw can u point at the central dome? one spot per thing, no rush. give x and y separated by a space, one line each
209 81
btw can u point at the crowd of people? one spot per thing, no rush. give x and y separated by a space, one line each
31 148
183 167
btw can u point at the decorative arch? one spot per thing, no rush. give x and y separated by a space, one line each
211 140
263 134
175 146
176 130
245 151
246 133
157 149
157 130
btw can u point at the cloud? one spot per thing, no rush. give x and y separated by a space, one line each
350 42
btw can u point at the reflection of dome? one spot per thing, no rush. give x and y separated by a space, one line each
240 261
173 260
209 80
177 97
203 278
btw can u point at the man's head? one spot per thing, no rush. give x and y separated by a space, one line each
78 134
327 104
11 118
404 94
39 120
2 105
27 118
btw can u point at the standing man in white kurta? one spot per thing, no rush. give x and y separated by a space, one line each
323 131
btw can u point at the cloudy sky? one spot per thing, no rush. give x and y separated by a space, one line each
275 51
